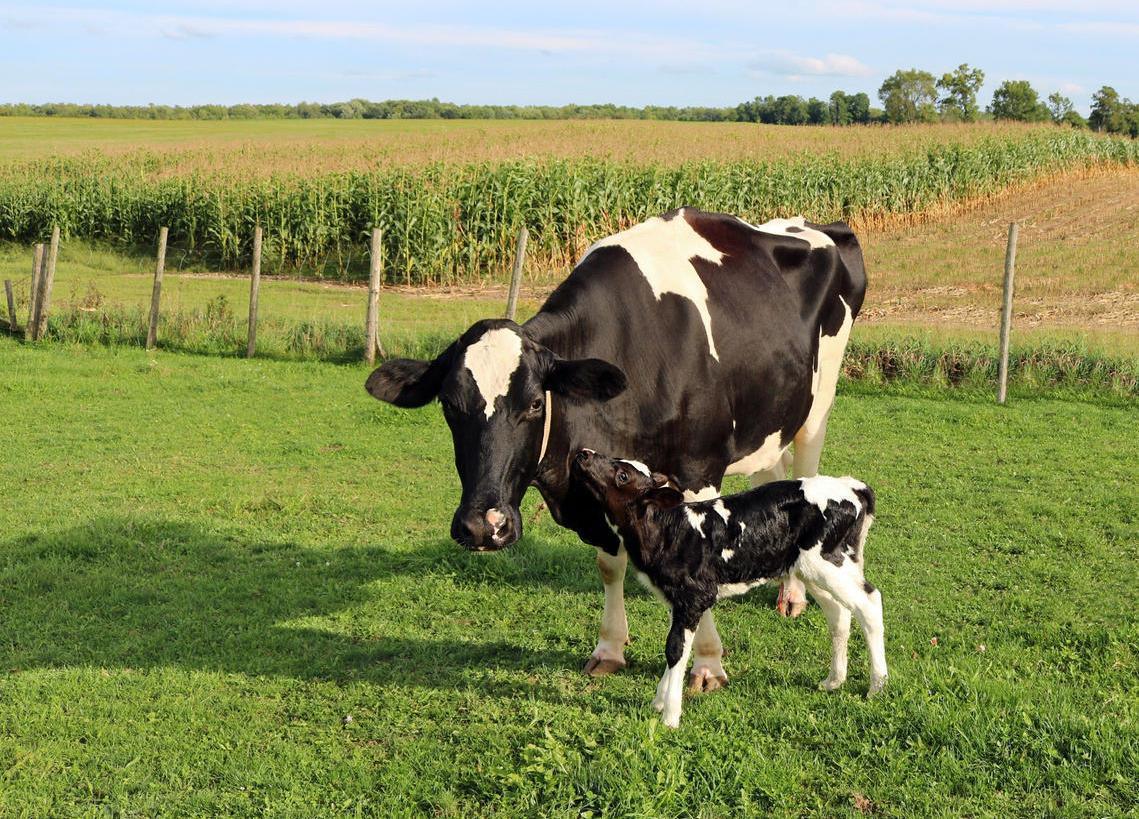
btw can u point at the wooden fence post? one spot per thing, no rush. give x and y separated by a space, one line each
254 292
47 279
1006 312
11 306
516 275
372 343
34 294
156 293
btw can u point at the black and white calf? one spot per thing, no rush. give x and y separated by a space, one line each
692 554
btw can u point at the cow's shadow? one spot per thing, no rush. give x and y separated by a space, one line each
130 592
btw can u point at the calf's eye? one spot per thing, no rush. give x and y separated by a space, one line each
536 405
622 477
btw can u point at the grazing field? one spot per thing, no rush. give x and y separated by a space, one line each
455 222
227 589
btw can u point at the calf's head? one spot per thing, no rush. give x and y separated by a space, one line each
492 384
626 489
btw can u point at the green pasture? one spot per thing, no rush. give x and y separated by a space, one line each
226 589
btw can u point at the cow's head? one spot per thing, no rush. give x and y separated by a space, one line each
492 384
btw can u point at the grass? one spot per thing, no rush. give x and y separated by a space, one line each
208 565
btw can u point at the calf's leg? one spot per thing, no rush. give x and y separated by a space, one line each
868 612
846 585
838 621
676 652
609 656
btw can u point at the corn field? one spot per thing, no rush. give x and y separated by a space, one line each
447 223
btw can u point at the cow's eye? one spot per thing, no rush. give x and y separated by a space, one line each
622 477
536 405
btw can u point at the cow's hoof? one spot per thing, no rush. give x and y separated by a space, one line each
830 684
788 607
602 666
876 686
705 678
670 720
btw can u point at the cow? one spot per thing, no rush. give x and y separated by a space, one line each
691 555
696 341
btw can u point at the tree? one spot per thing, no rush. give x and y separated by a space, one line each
961 87
839 109
818 112
1059 106
909 96
859 105
1109 112
1017 99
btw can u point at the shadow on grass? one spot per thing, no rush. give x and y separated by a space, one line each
138 593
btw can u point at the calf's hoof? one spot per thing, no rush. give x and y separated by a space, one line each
705 679
876 686
670 720
830 684
602 666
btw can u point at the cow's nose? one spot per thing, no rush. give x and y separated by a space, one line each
470 529
584 456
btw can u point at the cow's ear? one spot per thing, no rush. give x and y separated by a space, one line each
664 496
660 479
586 379
407 382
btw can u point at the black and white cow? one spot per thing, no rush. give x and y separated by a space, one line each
692 554
695 341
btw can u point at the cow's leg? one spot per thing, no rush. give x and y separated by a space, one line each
790 589
708 652
609 656
707 669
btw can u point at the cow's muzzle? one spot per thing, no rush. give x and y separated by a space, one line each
486 531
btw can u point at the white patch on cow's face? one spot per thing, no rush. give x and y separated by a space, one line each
492 360
762 459
728 554
736 589
821 489
663 251
696 519
796 228
721 510
707 493
640 467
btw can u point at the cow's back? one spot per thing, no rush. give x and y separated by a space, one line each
715 321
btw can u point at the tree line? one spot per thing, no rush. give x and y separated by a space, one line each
907 96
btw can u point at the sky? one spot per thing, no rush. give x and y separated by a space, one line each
707 52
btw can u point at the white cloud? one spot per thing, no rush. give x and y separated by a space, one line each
795 66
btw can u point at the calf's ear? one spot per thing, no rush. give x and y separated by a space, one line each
407 382
664 496
586 379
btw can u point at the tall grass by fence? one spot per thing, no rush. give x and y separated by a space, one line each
447 223
217 329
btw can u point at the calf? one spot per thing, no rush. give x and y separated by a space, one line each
692 554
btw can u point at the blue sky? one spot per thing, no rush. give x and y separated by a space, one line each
710 52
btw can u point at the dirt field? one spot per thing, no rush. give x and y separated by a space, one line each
1077 261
